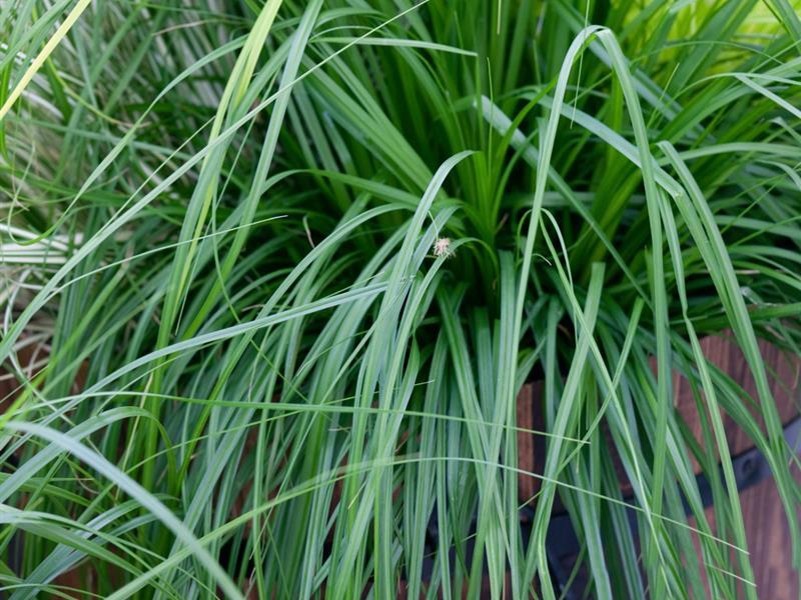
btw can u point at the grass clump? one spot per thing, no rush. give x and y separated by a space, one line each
266 372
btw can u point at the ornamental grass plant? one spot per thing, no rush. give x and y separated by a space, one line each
274 272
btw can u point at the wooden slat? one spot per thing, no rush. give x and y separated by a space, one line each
723 352
526 451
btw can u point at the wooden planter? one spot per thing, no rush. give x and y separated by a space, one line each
766 525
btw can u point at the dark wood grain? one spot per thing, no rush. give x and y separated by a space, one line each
783 376
766 526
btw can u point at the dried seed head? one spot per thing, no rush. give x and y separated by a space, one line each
442 247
